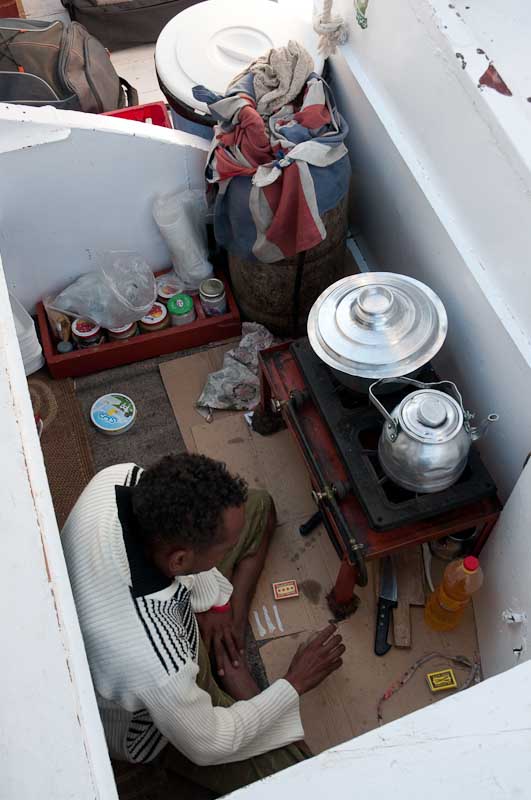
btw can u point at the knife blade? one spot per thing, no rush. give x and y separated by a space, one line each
387 600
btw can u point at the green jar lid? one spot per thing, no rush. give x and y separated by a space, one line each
180 305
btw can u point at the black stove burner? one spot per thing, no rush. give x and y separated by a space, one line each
356 425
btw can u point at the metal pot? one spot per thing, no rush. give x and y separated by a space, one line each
451 547
426 439
376 325
362 385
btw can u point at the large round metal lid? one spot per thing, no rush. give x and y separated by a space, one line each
430 416
212 42
377 325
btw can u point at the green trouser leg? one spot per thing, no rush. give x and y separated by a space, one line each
225 778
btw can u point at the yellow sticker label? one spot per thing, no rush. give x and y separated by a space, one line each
441 680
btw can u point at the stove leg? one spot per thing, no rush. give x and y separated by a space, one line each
265 420
481 538
264 407
343 591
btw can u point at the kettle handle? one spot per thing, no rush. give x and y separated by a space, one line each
391 422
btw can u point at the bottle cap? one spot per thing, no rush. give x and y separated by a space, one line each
122 328
180 304
84 328
168 288
211 288
471 563
157 315
64 347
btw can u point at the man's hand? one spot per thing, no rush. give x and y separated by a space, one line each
221 636
315 660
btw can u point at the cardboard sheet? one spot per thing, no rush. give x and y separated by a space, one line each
312 562
345 704
228 439
286 475
184 380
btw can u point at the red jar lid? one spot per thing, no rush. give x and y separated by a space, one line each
471 563
85 329
122 328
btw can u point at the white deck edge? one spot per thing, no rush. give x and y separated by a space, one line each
55 125
30 487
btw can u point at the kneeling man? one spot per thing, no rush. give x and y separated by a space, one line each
163 564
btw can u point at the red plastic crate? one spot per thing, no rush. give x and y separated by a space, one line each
156 112
203 330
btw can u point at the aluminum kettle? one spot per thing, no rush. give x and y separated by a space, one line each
425 442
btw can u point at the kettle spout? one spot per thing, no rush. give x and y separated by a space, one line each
481 429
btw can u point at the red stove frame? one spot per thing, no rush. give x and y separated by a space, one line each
284 391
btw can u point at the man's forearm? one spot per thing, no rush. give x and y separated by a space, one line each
238 682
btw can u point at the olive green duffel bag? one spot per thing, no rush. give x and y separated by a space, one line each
53 64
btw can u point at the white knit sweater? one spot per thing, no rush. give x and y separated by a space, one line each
141 638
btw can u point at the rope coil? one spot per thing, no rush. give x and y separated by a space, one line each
471 664
333 30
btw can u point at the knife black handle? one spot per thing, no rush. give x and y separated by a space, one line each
383 618
307 527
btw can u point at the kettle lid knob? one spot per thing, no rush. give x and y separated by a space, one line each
432 412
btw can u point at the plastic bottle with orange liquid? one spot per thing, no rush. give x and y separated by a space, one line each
446 605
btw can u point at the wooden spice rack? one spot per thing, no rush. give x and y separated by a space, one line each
201 331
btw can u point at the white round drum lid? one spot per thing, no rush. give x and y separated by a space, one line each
212 42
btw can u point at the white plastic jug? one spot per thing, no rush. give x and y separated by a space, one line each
28 343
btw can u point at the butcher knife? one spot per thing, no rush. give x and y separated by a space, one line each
387 599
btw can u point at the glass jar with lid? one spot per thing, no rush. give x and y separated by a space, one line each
212 297
181 309
86 333
156 320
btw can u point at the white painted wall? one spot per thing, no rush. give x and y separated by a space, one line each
411 114
74 184
506 562
70 184
443 193
51 739
473 745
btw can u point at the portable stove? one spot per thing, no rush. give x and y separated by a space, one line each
366 516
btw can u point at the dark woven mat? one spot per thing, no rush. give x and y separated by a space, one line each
64 441
155 432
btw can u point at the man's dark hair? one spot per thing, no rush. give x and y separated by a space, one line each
181 500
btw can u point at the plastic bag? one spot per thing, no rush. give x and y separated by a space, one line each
181 218
120 291
237 385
